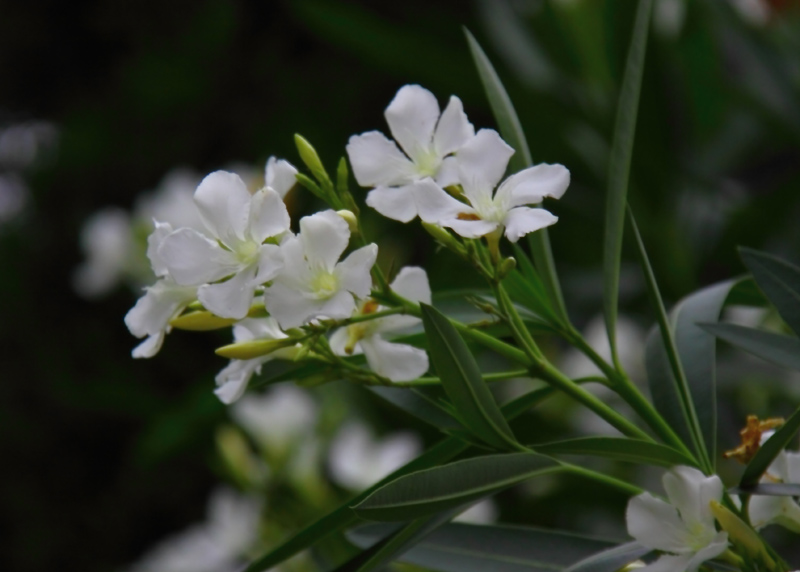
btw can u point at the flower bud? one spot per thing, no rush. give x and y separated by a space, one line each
236 455
309 156
506 266
252 349
444 238
742 535
201 321
350 219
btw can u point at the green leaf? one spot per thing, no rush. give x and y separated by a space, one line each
617 448
416 403
780 282
463 383
768 489
511 130
457 547
619 167
443 488
776 348
277 371
769 450
611 560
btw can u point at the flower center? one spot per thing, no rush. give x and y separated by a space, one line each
325 284
428 164
246 251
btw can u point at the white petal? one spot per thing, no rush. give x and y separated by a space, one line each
763 510
291 307
522 220
338 342
377 161
668 563
324 236
295 272
396 203
354 271
232 298
194 259
690 491
531 185
655 523
340 306
395 451
470 228
150 346
232 380
453 130
435 204
447 174
154 241
280 175
224 204
398 362
716 547
412 117
412 284
268 216
270 262
160 303
482 162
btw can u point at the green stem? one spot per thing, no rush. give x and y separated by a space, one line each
488 377
618 484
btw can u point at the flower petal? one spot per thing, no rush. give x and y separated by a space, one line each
233 379
655 523
268 216
280 176
295 272
396 203
290 306
224 205
522 220
435 204
690 492
270 263
153 311
453 130
398 362
412 284
412 117
154 241
354 271
324 236
447 174
232 298
717 546
338 342
668 563
377 161
150 346
194 259
531 185
482 162
470 228
338 307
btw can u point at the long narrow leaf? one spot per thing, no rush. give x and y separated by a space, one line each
769 450
779 280
463 383
611 560
776 348
413 401
617 448
619 167
457 547
443 488
768 489
510 128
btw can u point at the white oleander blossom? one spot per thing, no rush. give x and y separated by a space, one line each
684 527
783 510
429 141
234 260
280 175
481 164
162 301
313 283
233 379
397 362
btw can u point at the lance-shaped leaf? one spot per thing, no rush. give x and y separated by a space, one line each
780 282
418 404
443 488
511 130
776 348
463 383
457 547
617 448
769 450
620 165
611 560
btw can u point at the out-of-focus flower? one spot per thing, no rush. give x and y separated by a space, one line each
481 163
683 528
484 512
782 510
397 362
428 140
358 460
239 223
108 243
313 282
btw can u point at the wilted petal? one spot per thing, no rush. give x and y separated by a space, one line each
268 216
397 362
224 205
522 220
453 130
232 298
233 379
531 185
324 237
412 117
270 262
396 203
482 162
280 175
354 271
655 524
194 259
435 204
377 161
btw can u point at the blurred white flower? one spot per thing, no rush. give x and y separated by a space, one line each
107 242
398 362
481 164
783 510
630 348
483 512
172 201
313 283
683 528
358 460
428 140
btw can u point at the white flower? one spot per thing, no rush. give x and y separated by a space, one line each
358 460
481 163
280 175
313 283
107 241
428 140
239 223
684 527
233 379
162 302
782 510
398 362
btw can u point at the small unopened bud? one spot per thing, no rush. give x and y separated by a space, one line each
253 348
309 156
443 237
236 455
201 321
506 266
350 219
741 535
632 566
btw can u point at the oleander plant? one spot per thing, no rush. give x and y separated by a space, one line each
308 305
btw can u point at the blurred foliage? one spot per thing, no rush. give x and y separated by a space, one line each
104 455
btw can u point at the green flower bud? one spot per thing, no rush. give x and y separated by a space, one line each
350 219
254 348
201 321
